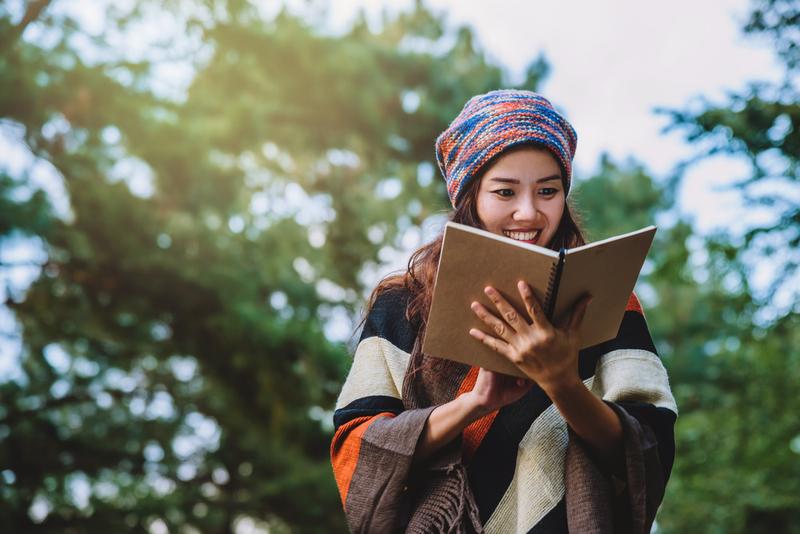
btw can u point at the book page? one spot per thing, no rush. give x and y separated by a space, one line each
608 270
472 259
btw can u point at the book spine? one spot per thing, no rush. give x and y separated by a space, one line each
553 284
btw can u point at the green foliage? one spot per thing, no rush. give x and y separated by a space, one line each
775 20
29 215
737 440
618 199
174 366
762 124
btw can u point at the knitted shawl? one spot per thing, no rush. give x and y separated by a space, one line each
518 469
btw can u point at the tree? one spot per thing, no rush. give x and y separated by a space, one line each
762 124
738 471
174 369
736 438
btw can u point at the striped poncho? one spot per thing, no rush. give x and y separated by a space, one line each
518 469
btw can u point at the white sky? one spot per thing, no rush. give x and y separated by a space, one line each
613 63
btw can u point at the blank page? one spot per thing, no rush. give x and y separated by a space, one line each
608 270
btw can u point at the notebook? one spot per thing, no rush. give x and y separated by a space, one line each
473 258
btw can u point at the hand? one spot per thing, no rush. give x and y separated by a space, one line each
545 353
494 390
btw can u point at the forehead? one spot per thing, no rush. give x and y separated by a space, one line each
524 164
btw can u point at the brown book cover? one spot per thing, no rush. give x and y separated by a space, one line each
472 258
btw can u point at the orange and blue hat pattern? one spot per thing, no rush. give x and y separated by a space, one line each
494 122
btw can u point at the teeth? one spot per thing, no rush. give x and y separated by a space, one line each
523 236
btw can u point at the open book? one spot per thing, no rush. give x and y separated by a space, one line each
472 259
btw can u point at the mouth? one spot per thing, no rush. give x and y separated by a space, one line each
530 237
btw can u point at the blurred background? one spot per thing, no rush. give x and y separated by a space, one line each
197 195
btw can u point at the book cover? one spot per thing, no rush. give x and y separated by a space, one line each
472 258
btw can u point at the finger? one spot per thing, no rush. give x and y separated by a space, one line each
578 313
497 345
498 326
532 304
506 310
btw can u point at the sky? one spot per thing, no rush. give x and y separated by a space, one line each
613 63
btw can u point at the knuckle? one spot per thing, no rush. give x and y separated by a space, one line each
499 328
511 317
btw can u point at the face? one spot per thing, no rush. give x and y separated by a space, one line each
521 196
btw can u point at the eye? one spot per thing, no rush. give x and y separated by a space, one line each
504 192
548 191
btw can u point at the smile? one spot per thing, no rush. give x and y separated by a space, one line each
528 237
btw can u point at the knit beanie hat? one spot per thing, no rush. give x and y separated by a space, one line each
494 122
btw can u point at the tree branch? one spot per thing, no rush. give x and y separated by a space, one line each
32 12
13 264
51 403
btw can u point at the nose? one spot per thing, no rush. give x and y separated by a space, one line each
526 210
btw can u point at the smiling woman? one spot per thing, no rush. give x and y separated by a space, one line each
522 195
428 445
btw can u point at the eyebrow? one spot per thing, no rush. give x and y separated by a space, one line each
516 181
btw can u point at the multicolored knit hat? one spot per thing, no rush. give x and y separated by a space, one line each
494 122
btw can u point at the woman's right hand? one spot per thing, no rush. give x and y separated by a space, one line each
493 390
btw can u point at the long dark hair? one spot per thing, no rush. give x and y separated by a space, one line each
420 275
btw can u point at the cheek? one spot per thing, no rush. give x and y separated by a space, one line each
552 211
483 206
555 212
555 208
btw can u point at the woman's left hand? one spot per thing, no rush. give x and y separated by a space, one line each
546 353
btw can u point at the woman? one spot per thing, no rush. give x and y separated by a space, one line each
429 445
